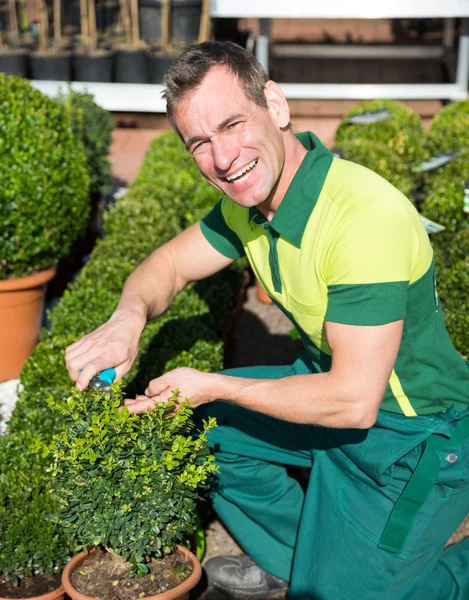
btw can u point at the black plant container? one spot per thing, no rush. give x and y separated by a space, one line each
157 67
185 20
97 68
51 67
131 66
149 18
14 63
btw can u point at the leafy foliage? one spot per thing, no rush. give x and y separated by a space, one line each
444 193
93 126
44 198
128 482
448 129
30 543
382 160
402 133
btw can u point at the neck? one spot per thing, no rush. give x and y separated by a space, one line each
294 155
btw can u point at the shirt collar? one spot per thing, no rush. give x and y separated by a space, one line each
293 213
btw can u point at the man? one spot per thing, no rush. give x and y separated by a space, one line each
378 406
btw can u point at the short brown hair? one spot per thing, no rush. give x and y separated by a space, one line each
189 69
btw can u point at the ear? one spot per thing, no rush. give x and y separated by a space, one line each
277 104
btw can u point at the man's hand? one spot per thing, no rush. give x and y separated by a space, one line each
114 344
194 385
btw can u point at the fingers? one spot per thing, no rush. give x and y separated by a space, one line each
157 386
142 403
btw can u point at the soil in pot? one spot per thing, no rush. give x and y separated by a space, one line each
51 66
14 62
31 587
95 67
105 576
131 66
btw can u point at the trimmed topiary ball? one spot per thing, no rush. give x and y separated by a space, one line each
44 197
444 193
382 160
449 129
402 132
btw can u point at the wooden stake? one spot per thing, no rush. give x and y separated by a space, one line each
135 23
165 21
93 37
125 20
57 22
204 28
13 22
84 23
43 25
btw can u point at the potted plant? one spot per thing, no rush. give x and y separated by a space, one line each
131 59
181 22
126 492
44 202
51 62
33 549
161 56
13 58
91 62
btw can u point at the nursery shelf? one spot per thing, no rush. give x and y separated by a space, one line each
139 97
116 97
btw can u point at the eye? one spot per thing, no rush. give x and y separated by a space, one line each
234 125
198 146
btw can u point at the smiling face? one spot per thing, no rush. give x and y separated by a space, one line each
239 147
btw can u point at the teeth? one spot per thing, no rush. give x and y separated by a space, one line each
243 170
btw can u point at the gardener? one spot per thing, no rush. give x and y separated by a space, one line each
378 405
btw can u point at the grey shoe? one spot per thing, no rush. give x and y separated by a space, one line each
240 577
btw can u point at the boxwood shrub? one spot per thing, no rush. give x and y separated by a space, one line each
188 334
444 193
30 544
403 132
448 129
127 482
93 126
382 160
44 196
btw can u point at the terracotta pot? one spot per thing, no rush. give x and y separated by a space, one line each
21 306
58 594
262 295
180 592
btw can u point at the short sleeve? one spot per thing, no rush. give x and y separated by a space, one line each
219 234
370 264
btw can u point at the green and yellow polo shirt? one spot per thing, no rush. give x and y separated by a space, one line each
345 246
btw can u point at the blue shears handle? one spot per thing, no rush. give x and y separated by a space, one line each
103 380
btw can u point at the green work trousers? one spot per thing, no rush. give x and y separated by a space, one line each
341 539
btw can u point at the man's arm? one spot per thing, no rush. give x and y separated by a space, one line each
348 396
147 293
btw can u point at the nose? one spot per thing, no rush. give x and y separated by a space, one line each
225 152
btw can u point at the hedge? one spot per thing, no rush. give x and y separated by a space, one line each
157 207
448 129
444 193
402 133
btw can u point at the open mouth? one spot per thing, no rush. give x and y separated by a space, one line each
243 174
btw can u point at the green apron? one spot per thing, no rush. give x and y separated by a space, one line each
379 507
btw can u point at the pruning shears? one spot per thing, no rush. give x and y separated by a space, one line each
103 380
